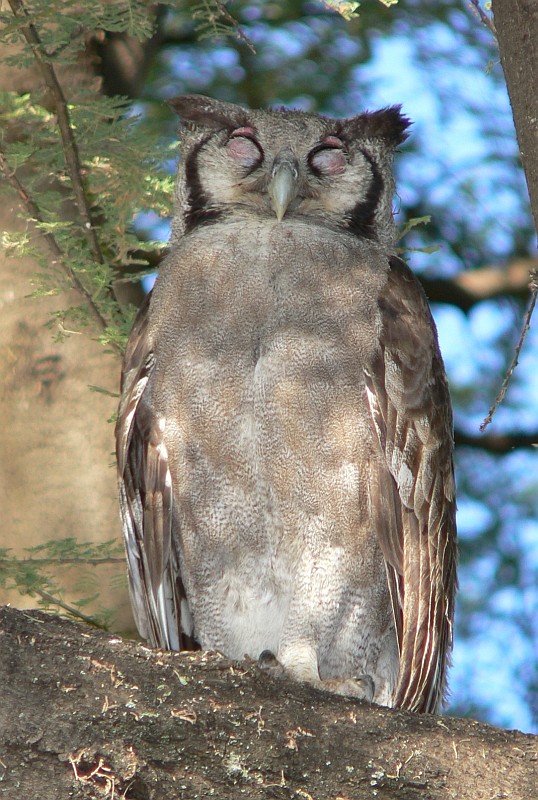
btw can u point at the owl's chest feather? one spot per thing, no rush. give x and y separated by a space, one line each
305 293
261 348
261 344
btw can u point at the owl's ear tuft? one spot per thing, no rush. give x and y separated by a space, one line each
204 112
388 124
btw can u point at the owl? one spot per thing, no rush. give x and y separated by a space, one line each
284 437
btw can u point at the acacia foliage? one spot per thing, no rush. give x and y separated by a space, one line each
81 161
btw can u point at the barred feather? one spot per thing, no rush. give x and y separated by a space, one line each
408 399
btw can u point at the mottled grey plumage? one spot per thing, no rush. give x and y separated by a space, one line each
285 432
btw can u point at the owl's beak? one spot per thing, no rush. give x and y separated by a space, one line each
284 184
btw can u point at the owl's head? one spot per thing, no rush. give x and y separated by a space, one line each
286 164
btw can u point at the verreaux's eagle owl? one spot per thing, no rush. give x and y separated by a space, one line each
284 438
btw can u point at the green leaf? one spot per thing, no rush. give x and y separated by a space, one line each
413 223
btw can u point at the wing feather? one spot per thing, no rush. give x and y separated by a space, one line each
146 503
412 494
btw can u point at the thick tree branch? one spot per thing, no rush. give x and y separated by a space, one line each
497 443
516 24
512 280
86 715
486 283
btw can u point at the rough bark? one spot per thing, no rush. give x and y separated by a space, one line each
516 23
87 715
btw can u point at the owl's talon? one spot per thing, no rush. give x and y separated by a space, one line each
269 663
361 686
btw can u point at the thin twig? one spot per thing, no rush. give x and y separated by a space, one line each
41 562
240 34
71 153
504 386
55 249
484 19
49 598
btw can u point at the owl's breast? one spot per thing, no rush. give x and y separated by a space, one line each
238 288
260 343
262 334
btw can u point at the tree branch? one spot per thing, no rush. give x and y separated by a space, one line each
496 443
43 562
467 289
57 254
464 291
70 148
516 23
515 360
483 17
85 714
50 599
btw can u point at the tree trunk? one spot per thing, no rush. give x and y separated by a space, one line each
57 468
516 22
57 477
87 715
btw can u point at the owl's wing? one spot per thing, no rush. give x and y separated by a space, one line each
145 487
412 489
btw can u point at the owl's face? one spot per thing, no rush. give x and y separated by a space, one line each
287 164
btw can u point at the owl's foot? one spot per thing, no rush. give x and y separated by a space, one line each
270 663
360 686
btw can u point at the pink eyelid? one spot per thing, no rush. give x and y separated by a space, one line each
243 132
333 141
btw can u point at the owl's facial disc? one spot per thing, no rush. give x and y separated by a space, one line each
284 183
